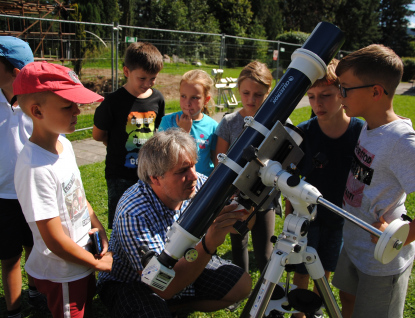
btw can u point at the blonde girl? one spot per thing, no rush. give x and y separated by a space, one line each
254 85
195 87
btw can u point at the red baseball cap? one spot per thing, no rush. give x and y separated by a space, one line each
39 77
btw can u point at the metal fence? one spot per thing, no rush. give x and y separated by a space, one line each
101 47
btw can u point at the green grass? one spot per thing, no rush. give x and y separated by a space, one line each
96 191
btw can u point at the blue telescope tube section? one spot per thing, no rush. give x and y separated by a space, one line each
324 41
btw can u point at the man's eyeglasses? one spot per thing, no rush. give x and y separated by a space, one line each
343 90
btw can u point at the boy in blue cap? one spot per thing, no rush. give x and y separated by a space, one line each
15 129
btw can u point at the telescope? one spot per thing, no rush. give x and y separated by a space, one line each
272 152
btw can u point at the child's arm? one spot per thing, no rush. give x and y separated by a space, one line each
411 235
288 208
63 246
100 135
222 146
96 224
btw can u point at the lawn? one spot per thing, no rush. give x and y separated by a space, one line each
96 191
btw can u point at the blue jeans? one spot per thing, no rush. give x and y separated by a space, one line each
328 243
116 188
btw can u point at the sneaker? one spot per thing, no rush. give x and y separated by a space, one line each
39 303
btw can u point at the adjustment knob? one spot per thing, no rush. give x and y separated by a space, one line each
293 181
297 248
191 255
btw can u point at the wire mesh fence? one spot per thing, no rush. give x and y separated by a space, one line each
95 50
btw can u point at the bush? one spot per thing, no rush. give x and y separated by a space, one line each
296 37
408 69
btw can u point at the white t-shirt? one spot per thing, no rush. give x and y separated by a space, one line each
382 173
49 186
15 129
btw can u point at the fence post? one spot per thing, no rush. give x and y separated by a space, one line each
222 51
117 34
278 59
112 57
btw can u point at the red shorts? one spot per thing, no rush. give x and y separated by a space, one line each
70 298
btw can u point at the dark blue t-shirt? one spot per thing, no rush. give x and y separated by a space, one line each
331 179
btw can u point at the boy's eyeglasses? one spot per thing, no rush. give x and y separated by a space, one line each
343 90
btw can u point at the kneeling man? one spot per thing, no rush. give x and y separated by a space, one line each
167 182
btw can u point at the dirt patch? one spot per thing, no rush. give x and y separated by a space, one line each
99 81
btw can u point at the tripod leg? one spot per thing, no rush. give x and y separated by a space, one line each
254 293
261 295
316 271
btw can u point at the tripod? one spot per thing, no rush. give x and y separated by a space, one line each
291 245
291 248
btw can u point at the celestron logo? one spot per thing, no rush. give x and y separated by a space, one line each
282 89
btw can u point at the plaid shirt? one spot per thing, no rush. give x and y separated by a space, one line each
141 219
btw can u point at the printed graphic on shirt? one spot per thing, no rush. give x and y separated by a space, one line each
140 127
360 175
76 205
201 142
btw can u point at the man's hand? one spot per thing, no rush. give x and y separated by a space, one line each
380 225
223 225
185 121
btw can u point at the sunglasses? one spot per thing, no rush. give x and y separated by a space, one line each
343 90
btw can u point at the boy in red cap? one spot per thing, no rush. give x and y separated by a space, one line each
15 129
50 191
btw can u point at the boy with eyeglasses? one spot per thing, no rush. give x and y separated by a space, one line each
331 135
381 175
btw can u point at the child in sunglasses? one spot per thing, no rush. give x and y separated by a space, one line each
331 135
381 175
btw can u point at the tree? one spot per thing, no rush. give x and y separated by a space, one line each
394 23
237 19
127 18
183 15
234 16
268 13
359 20
80 48
100 11
304 15
199 17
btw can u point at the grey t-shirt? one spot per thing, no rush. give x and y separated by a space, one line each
382 173
229 129
231 126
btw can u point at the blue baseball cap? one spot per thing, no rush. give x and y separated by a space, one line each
16 51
